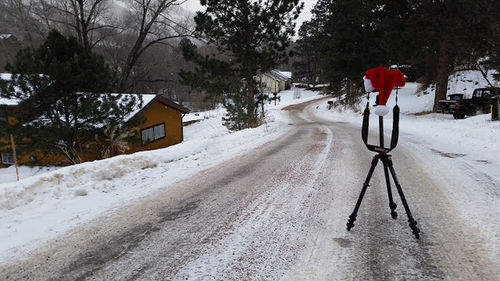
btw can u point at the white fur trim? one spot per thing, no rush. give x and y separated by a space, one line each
368 84
381 110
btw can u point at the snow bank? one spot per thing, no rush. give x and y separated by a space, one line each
9 174
45 205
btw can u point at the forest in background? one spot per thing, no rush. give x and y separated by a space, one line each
427 39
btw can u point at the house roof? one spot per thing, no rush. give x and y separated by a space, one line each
172 104
148 101
6 36
279 75
8 101
274 76
287 74
5 100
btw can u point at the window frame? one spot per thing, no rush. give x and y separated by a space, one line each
153 129
5 157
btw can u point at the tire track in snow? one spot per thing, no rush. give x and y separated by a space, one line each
266 239
378 247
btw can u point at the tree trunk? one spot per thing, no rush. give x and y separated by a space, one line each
251 95
445 66
446 55
430 67
139 46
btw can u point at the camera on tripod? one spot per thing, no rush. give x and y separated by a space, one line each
383 80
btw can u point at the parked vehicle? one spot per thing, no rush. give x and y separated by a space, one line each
448 106
481 101
300 85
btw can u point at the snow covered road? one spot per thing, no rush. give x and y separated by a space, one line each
279 213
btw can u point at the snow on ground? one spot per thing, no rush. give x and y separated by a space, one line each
45 205
9 174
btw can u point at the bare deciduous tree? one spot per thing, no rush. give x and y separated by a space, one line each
154 24
89 20
17 18
124 34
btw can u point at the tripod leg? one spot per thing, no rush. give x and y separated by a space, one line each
411 221
352 217
392 205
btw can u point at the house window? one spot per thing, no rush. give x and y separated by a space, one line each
7 158
153 133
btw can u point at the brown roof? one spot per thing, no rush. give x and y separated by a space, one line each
163 100
172 104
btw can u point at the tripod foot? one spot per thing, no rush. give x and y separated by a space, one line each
393 207
413 226
350 222
394 215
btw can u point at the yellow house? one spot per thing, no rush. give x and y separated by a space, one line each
270 83
163 123
161 128
283 76
274 81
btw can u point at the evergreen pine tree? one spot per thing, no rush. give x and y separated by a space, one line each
253 35
307 57
349 43
60 86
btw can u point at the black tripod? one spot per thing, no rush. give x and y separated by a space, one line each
387 162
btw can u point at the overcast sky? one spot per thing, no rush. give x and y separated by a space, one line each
194 5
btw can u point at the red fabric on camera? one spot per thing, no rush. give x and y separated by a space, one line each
384 80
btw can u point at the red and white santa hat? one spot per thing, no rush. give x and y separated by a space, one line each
383 80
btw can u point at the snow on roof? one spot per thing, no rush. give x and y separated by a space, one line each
287 74
146 99
7 101
274 76
6 36
5 76
4 100
279 75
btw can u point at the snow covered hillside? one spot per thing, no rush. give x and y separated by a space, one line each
464 82
43 206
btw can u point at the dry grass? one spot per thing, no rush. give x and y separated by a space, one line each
422 113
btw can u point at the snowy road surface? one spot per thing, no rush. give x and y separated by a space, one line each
279 213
